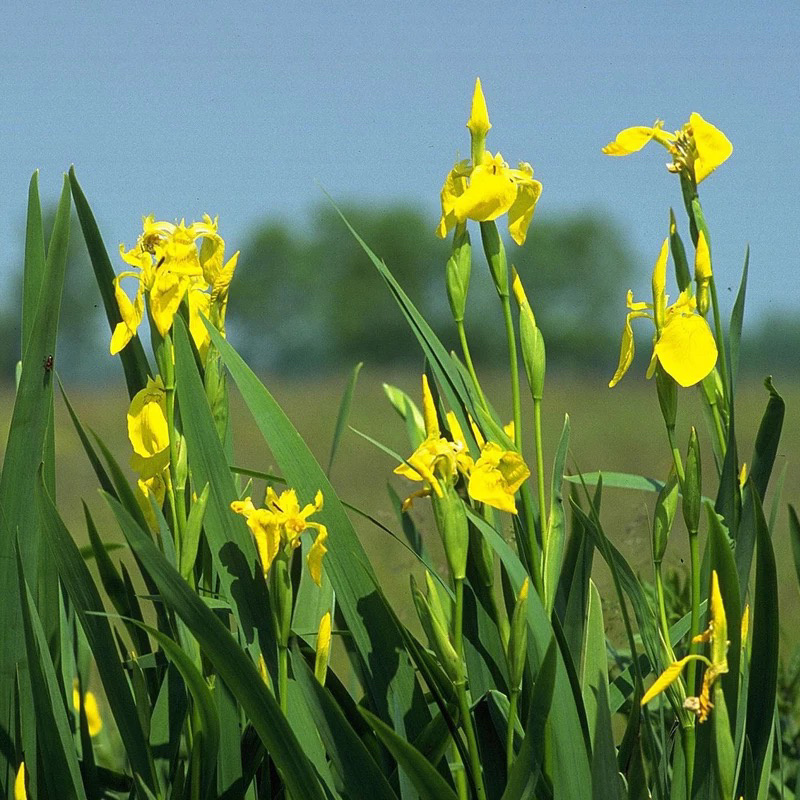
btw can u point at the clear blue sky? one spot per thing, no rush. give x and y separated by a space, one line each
244 111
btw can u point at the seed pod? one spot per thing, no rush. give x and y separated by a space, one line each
518 640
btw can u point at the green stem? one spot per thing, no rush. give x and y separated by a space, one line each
662 610
689 743
533 545
461 690
512 718
283 678
459 775
462 335
676 455
512 356
723 359
176 501
537 425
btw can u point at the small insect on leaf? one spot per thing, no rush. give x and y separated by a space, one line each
48 363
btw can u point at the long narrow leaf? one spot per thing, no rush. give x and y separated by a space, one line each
344 413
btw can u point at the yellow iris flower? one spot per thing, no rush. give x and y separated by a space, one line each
169 265
277 527
486 190
683 344
697 147
717 635
493 479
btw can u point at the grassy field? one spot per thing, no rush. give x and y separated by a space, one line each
606 435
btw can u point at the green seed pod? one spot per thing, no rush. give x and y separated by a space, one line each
666 506
693 484
496 256
678 254
459 268
451 521
518 640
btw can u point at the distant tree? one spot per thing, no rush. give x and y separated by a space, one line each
312 299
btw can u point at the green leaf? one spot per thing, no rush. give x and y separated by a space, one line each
556 526
794 537
89 607
228 658
62 774
737 317
30 443
33 275
344 413
231 543
594 661
529 764
134 361
391 684
767 440
570 770
427 781
191 536
764 660
360 775
617 480
207 728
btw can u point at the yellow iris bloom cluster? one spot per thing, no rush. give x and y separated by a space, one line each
493 478
486 190
169 265
277 528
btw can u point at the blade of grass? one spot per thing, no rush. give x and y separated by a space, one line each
344 413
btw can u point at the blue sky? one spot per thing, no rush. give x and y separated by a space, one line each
247 110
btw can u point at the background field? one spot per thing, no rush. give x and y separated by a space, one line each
606 435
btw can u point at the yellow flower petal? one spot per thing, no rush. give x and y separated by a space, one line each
265 529
490 194
93 718
199 303
686 348
625 353
659 283
668 677
631 140
165 298
521 212
454 186
316 553
429 409
496 476
147 420
713 146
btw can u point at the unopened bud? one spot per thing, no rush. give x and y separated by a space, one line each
692 484
664 515
438 640
478 123
518 640
451 521
496 256
667 391
678 254
531 340
459 267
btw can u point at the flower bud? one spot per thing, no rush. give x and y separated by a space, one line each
323 651
664 515
459 267
451 521
280 584
531 340
496 256
678 254
482 556
692 484
667 391
702 272
478 122
518 640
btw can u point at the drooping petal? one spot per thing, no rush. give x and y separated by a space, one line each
266 531
659 283
147 420
315 554
686 348
631 140
521 212
496 476
625 352
165 298
199 303
713 146
454 186
668 677
131 313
